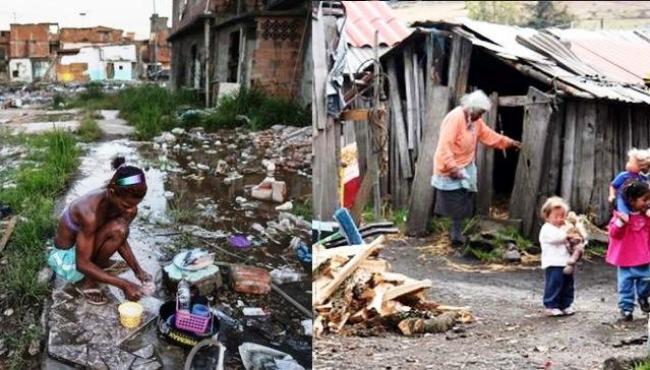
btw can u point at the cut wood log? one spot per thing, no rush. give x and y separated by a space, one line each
406 289
378 299
347 270
375 266
11 225
321 256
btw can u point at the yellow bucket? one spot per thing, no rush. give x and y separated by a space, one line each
130 314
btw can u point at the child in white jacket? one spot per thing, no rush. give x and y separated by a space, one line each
554 240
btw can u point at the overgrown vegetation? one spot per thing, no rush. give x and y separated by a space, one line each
303 208
645 365
89 130
53 159
151 108
256 110
535 14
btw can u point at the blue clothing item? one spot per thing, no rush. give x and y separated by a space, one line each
447 183
619 181
558 288
632 280
64 263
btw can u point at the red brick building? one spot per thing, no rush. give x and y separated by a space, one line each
218 45
91 35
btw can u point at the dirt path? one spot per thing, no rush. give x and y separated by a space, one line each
510 332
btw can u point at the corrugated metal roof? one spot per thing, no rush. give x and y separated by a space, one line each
366 17
620 55
357 57
606 65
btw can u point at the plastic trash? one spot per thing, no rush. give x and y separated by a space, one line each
302 250
286 275
183 295
148 288
307 326
239 241
257 357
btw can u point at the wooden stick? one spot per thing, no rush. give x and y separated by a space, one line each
346 271
8 231
406 288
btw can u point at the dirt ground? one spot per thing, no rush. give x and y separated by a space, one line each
510 331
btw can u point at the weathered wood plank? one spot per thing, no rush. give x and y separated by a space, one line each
568 151
422 106
526 190
585 167
358 114
512 101
396 113
421 199
11 225
485 163
322 295
409 84
459 66
598 201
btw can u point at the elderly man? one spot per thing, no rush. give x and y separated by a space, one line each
454 173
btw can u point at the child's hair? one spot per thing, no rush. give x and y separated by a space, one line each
127 180
642 157
635 190
551 204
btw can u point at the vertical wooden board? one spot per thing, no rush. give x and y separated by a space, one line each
422 105
410 96
416 105
463 68
585 167
568 151
526 190
485 163
325 172
396 112
319 55
421 197
598 203
454 64
551 185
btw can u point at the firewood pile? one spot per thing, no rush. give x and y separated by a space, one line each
355 293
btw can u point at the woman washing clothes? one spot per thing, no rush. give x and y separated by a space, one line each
454 174
95 226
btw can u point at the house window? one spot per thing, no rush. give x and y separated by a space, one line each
233 57
14 73
120 68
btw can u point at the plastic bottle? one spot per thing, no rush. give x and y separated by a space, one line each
283 276
183 295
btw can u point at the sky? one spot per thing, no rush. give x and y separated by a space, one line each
128 15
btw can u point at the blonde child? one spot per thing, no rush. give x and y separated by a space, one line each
628 249
558 286
638 163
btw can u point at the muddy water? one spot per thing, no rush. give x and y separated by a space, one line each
210 204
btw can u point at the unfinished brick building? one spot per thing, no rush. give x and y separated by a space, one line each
91 35
218 45
32 48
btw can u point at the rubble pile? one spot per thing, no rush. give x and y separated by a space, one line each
355 293
38 94
294 151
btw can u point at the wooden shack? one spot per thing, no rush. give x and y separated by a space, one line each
576 118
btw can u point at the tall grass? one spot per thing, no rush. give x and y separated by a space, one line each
53 160
88 129
151 108
255 109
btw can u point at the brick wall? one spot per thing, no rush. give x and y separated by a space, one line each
29 41
99 35
276 55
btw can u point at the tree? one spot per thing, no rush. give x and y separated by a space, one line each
502 12
545 14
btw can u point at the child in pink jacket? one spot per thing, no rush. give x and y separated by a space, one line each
628 250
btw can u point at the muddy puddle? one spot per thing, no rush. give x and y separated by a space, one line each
184 197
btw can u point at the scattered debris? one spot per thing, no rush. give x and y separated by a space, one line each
250 280
356 293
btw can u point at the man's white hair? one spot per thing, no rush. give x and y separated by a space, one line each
476 100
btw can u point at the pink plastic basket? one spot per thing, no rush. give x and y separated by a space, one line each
185 320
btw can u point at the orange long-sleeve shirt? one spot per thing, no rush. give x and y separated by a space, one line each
457 143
